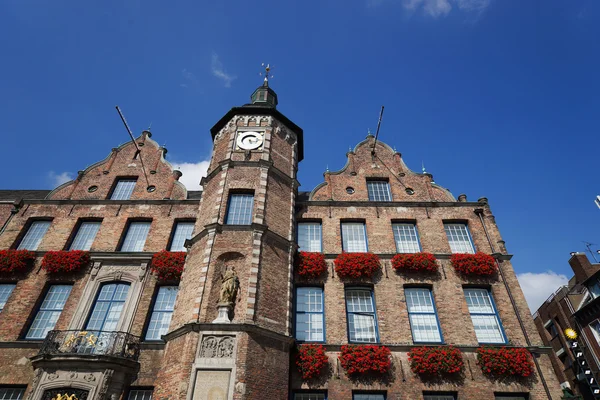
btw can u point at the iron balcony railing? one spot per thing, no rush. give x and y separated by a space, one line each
112 344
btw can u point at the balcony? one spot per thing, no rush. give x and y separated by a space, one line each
87 344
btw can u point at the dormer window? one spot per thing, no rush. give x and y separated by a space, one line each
379 190
123 189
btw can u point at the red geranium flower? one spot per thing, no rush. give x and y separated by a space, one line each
65 261
425 262
505 361
357 265
474 264
363 359
15 260
168 265
310 265
435 360
311 360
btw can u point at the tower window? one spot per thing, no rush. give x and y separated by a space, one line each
407 240
459 238
86 233
49 311
136 235
379 190
484 316
34 235
123 189
239 210
354 237
309 236
183 231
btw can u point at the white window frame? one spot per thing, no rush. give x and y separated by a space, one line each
459 238
314 298
49 311
379 190
310 237
351 237
85 235
403 231
124 188
354 335
132 241
491 315
237 210
422 312
180 236
6 289
161 314
34 235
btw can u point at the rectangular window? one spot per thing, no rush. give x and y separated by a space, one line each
422 315
551 329
123 189
136 235
162 312
11 393
183 231
5 291
310 396
439 396
484 316
49 311
594 326
85 235
140 394
362 321
379 190
407 240
34 235
368 396
594 288
354 237
310 321
239 211
309 236
511 396
106 311
459 238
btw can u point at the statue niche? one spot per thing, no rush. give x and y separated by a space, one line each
226 284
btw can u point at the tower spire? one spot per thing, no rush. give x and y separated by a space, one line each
264 95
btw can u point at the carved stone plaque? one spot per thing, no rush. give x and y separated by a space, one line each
217 347
211 385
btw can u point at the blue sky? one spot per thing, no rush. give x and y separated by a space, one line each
499 98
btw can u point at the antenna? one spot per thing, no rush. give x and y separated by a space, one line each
377 132
134 143
589 245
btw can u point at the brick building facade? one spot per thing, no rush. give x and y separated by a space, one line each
230 327
574 306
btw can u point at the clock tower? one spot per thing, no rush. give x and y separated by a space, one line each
230 334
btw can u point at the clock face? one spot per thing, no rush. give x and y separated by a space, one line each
249 140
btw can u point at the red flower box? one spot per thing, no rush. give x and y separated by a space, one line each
15 260
65 261
474 264
168 265
311 360
310 265
425 262
357 265
505 361
435 360
364 359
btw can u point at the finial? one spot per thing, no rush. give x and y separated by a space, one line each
423 167
395 151
349 149
267 74
369 132
327 168
149 126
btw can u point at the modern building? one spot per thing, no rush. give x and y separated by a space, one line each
574 306
230 326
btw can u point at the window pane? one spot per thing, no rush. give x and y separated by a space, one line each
406 238
361 316
162 312
422 315
309 314
484 317
123 189
5 291
34 235
11 393
379 191
108 306
511 397
136 394
183 231
354 238
458 238
49 311
85 236
368 396
135 239
419 300
309 396
239 211
309 236
439 397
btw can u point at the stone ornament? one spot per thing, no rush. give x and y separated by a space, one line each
217 347
52 376
89 378
229 286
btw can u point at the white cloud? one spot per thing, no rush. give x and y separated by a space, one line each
58 179
190 78
192 173
537 287
216 66
438 8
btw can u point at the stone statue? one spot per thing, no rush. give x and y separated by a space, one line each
229 286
